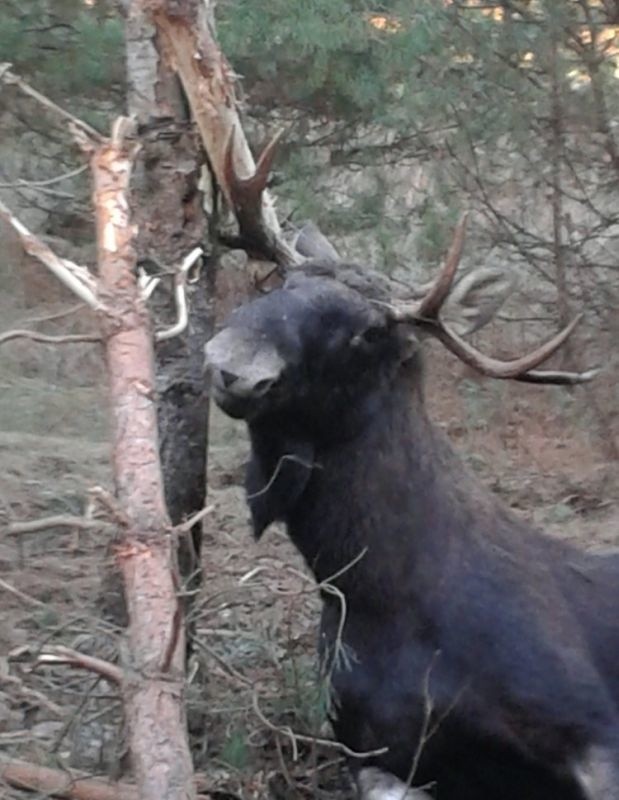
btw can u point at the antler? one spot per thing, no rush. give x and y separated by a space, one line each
425 314
262 240
246 195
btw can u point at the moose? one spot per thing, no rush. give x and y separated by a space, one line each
470 656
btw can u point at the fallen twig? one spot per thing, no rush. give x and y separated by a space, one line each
187 525
47 182
76 278
73 658
69 784
32 695
26 598
300 737
35 336
57 521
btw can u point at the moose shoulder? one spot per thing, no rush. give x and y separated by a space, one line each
485 656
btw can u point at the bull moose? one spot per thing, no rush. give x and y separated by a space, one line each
470 656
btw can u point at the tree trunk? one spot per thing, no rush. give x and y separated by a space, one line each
556 116
166 204
153 680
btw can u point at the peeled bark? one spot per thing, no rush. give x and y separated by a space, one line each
153 684
167 205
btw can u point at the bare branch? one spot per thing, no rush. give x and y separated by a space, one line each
73 658
68 784
186 526
10 79
76 278
49 182
59 521
298 737
31 695
25 598
35 336
55 315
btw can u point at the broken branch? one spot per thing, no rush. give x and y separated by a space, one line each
73 658
69 784
44 338
11 79
76 278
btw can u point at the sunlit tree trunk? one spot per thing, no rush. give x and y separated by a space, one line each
167 206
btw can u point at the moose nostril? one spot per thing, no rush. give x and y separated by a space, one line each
263 386
227 378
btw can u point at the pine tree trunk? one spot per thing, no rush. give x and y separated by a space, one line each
167 207
153 671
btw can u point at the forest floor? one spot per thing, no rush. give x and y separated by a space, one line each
254 703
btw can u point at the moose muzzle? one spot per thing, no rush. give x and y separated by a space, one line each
243 369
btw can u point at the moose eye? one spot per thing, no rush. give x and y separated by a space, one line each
370 335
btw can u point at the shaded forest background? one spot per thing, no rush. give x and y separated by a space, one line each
398 116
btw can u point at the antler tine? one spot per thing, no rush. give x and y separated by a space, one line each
231 179
259 232
431 304
425 315
251 188
558 377
265 161
516 368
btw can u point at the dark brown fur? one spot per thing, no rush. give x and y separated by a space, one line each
509 639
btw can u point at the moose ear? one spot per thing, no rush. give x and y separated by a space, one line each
276 479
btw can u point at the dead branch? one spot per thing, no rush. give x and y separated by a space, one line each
20 182
107 501
35 336
69 784
57 521
11 79
73 658
55 315
186 526
25 598
76 278
299 737
31 695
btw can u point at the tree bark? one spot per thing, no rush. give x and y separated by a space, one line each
557 155
189 44
68 784
167 206
153 684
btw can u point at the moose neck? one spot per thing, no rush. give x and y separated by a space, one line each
385 500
